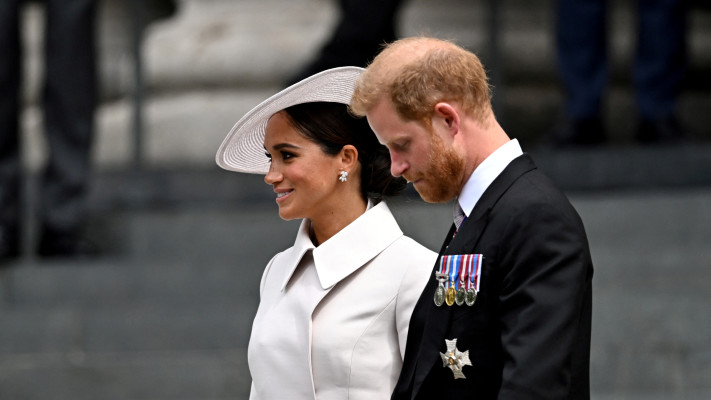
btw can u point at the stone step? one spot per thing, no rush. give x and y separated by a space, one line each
223 43
212 61
148 326
190 44
218 374
184 130
575 170
173 313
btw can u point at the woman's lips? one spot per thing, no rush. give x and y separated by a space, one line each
283 195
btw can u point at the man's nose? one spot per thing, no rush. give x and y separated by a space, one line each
398 166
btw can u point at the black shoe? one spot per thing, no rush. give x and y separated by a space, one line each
660 131
578 132
65 245
9 244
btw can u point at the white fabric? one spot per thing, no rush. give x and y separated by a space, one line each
332 320
485 173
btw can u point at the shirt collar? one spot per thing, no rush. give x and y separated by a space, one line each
485 173
350 248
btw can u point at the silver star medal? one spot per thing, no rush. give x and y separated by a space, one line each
455 359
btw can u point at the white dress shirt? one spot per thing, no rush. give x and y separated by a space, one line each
332 320
485 173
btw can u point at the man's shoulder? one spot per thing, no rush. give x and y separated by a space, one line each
534 186
532 197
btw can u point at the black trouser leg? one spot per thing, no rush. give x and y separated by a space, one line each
69 104
10 166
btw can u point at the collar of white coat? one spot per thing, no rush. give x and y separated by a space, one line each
349 249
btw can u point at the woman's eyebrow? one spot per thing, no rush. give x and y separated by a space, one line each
281 146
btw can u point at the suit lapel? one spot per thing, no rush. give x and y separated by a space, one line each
422 307
438 319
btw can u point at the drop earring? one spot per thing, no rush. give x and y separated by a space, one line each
343 176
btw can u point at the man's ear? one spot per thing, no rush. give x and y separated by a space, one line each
448 115
349 157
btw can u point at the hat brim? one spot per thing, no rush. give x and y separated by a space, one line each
243 148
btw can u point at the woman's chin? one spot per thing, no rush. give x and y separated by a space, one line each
286 214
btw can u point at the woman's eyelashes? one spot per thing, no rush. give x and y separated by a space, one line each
284 155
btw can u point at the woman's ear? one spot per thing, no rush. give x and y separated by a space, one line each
449 116
349 157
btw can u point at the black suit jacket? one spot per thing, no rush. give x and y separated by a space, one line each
528 334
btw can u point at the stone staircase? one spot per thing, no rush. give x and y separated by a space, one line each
166 313
210 61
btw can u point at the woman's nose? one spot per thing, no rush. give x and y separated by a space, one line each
272 176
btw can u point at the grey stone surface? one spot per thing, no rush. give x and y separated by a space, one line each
218 374
211 61
165 313
168 314
651 326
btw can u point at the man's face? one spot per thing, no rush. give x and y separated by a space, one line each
418 154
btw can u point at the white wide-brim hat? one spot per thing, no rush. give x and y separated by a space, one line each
243 148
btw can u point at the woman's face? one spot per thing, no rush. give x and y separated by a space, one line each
305 179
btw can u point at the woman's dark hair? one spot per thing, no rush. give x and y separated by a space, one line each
331 126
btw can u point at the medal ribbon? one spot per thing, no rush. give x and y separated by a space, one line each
476 278
453 266
473 274
444 265
463 269
468 266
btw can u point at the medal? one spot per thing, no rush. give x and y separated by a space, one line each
450 296
452 268
462 274
470 297
460 295
461 292
474 279
455 359
439 292
441 276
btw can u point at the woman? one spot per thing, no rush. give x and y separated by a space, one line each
335 307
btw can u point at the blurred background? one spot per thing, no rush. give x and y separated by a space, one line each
161 308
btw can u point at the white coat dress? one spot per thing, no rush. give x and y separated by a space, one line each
332 320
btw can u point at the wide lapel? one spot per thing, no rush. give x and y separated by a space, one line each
438 319
292 257
350 249
355 245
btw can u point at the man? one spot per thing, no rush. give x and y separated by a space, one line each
362 27
660 61
506 314
69 102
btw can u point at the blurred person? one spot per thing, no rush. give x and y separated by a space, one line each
334 308
363 27
659 67
68 102
507 310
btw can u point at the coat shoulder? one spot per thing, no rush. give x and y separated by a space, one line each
411 251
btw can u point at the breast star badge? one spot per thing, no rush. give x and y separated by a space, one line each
455 359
